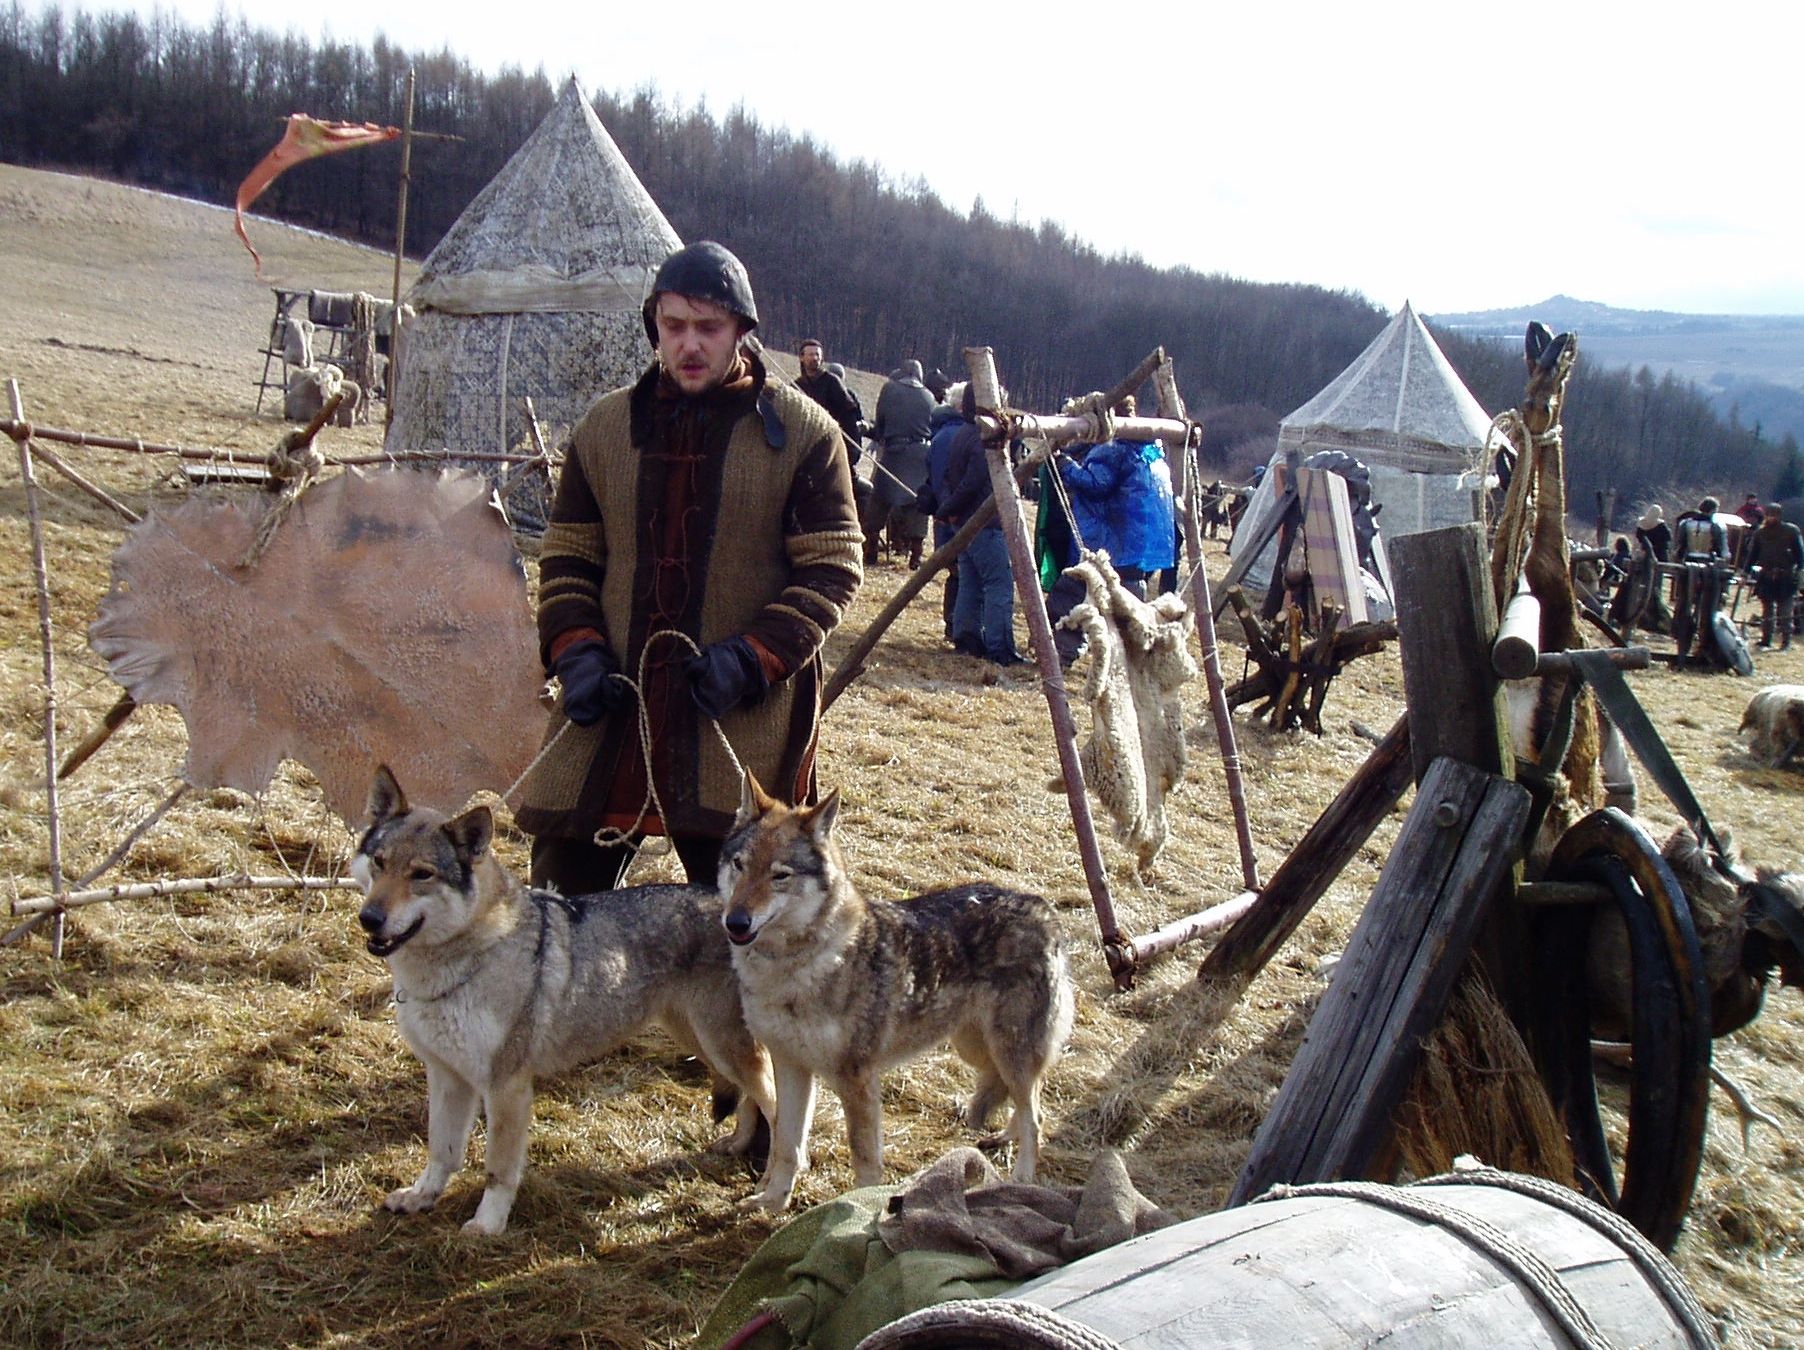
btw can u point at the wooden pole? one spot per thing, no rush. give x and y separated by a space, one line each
1171 405
1446 616
237 881
41 576
93 490
541 456
1201 924
1061 429
1116 950
851 666
1518 644
20 430
394 317
1606 512
1623 658
1311 867
137 832
1153 362
114 719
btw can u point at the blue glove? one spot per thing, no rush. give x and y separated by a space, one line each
586 670
726 675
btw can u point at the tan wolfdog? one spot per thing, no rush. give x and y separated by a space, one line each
843 988
495 984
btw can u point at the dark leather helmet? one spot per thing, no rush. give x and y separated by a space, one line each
704 271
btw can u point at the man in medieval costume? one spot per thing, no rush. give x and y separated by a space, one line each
903 429
703 542
1775 557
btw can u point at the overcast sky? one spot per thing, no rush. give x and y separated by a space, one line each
1456 154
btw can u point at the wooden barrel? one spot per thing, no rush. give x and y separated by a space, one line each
1472 1259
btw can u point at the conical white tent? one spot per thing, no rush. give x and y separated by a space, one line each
534 291
1402 411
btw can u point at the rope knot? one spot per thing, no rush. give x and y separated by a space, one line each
295 456
1093 406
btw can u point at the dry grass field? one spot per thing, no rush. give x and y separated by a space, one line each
203 1103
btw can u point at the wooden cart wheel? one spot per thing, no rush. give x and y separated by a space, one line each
1670 1080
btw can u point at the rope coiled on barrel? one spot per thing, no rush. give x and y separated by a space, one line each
1003 1323
1647 1258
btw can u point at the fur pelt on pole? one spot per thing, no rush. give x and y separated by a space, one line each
1139 658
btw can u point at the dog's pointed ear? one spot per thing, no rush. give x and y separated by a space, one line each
821 818
471 833
386 798
754 801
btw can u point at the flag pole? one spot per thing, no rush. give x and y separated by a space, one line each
394 319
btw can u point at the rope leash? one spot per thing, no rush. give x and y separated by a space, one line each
609 835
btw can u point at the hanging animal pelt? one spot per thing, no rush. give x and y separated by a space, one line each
386 621
1139 658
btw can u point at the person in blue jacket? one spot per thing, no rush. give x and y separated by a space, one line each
1121 504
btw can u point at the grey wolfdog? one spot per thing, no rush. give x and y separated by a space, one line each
843 988
496 984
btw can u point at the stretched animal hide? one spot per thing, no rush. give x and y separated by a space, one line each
387 622
1139 659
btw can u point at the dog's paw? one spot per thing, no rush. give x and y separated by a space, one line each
772 1202
414 1199
491 1214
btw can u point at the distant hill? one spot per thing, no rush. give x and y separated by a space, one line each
1751 365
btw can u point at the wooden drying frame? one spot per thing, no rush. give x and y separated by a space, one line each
65 895
1174 429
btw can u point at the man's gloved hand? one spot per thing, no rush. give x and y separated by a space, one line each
927 501
726 675
586 670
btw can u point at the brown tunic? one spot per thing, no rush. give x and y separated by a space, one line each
676 513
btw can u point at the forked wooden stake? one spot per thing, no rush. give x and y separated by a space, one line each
1190 482
41 576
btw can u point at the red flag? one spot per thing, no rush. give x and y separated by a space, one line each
306 138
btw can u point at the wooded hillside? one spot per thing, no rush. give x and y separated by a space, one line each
879 269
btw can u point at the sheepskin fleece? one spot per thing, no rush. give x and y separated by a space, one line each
1774 723
1139 658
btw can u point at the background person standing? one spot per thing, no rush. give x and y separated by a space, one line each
1775 556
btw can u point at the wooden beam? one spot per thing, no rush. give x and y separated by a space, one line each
1446 618
1135 377
1311 867
851 665
1332 1117
1052 683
